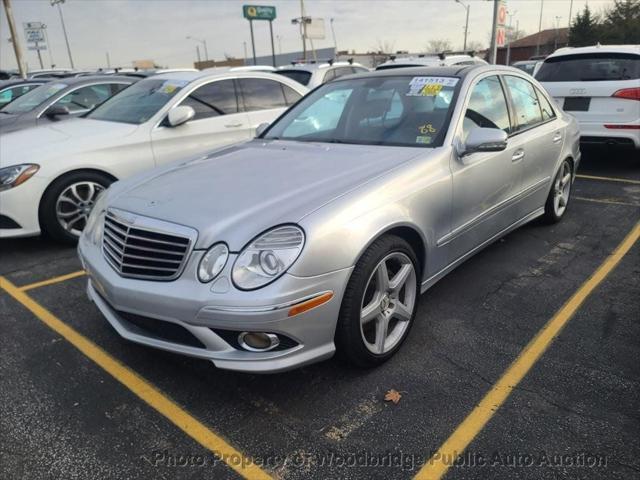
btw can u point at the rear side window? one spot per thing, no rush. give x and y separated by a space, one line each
525 102
300 76
213 99
487 107
545 107
262 94
342 71
590 67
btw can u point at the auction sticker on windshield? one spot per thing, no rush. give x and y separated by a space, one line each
171 86
429 86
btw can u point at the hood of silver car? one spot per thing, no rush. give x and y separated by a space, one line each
236 193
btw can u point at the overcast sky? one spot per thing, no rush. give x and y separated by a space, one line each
157 29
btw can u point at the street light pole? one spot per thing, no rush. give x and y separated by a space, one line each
46 38
14 38
204 44
539 28
335 43
64 28
466 25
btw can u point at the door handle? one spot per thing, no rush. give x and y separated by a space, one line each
233 125
519 155
557 137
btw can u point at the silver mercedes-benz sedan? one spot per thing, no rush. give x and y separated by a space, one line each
319 235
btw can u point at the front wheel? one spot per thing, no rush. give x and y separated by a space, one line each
379 304
67 203
560 194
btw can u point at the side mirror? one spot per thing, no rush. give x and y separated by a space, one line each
261 128
56 110
179 115
484 140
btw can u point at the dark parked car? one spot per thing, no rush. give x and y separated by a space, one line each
58 99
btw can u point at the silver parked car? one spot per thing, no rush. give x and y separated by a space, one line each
320 234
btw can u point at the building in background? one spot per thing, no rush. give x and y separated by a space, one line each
527 47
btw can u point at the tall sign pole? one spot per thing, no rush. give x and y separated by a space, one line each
253 42
493 49
273 47
14 38
260 12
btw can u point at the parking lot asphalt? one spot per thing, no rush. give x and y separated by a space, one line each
84 403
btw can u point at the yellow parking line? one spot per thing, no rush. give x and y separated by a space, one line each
460 439
606 202
51 281
141 387
610 179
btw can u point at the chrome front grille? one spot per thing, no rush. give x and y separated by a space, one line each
142 247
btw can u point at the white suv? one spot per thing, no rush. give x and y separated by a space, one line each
600 86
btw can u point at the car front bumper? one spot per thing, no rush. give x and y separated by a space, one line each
19 209
207 311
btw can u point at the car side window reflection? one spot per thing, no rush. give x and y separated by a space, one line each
213 99
487 107
85 98
262 94
545 106
525 102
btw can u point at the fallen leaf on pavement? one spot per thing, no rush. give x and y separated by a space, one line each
392 396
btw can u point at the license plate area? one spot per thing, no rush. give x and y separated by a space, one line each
577 104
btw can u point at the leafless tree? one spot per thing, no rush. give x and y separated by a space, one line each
438 45
383 46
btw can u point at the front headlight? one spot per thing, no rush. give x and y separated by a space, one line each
15 175
93 228
213 262
267 257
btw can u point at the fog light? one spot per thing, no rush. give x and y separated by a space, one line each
258 341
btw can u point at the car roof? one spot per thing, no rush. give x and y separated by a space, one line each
436 71
312 67
212 74
633 49
20 81
73 81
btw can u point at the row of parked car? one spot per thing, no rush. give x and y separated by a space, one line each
320 233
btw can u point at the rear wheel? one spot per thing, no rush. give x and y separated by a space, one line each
67 203
379 304
560 194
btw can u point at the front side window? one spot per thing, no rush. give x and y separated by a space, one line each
400 111
35 97
261 94
487 107
139 102
525 102
213 99
85 98
590 67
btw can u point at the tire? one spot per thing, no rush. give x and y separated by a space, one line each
359 344
59 202
556 205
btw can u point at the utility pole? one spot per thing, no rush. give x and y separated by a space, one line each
304 31
494 44
64 28
244 46
555 46
14 38
466 25
108 61
539 28
335 44
279 38
570 11
510 38
204 44
198 53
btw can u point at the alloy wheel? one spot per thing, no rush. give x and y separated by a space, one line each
388 303
562 189
74 205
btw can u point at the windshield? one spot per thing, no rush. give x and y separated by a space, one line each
139 102
591 67
399 110
300 76
35 97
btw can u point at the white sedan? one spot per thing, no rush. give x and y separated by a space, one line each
50 176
